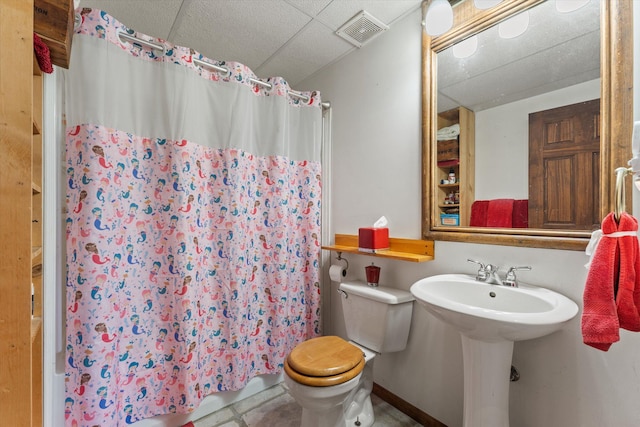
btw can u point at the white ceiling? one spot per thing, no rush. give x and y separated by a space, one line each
557 50
292 39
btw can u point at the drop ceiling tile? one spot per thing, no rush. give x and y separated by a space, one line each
293 61
485 90
151 17
242 30
310 7
556 50
340 11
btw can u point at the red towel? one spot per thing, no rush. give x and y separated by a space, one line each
478 216
521 213
612 290
500 213
43 55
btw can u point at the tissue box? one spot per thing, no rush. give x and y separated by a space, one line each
372 239
450 219
448 150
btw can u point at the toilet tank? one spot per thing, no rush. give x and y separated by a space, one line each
377 318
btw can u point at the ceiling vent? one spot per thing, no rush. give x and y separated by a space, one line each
361 29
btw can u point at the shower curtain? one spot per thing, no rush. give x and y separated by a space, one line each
192 230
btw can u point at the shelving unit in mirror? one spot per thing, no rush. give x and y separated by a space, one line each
454 172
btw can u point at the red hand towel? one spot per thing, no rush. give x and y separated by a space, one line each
500 213
43 55
521 213
613 267
628 284
478 216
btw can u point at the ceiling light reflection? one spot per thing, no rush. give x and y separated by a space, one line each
566 6
515 26
466 48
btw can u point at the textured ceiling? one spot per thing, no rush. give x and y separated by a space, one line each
288 38
557 50
296 38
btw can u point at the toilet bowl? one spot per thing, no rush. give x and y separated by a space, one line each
332 378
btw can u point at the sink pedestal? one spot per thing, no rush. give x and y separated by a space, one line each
487 367
490 318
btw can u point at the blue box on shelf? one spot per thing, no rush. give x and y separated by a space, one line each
450 219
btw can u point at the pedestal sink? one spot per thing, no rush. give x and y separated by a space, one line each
490 318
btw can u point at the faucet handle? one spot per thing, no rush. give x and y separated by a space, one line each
482 272
510 279
476 262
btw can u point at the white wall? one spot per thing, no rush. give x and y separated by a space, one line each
502 140
375 94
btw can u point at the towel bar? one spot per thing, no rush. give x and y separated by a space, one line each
620 207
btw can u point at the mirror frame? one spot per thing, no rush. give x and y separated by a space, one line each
616 119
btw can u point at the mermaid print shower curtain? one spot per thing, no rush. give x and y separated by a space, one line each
193 224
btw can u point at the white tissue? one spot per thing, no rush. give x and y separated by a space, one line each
381 223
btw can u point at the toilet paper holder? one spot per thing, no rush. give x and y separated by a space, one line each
340 258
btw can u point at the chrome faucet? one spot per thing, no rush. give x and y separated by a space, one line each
510 279
489 274
481 276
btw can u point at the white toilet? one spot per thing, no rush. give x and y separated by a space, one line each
332 378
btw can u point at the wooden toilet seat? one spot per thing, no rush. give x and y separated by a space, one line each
324 361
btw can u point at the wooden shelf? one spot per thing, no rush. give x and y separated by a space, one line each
449 185
36 68
36 270
449 206
35 189
53 21
35 252
36 324
446 164
400 249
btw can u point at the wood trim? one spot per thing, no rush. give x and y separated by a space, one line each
405 407
16 86
469 20
429 127
617 95
472 236
616 119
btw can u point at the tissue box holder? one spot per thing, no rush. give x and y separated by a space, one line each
371 239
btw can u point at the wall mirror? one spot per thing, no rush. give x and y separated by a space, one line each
492 101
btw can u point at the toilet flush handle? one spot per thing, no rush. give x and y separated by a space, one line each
343 293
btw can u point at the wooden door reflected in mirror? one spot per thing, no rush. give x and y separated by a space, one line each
564 167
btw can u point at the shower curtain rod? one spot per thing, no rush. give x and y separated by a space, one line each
225 70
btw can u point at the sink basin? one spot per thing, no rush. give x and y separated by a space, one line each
490 318
493 312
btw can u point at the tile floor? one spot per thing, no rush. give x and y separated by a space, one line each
274 407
